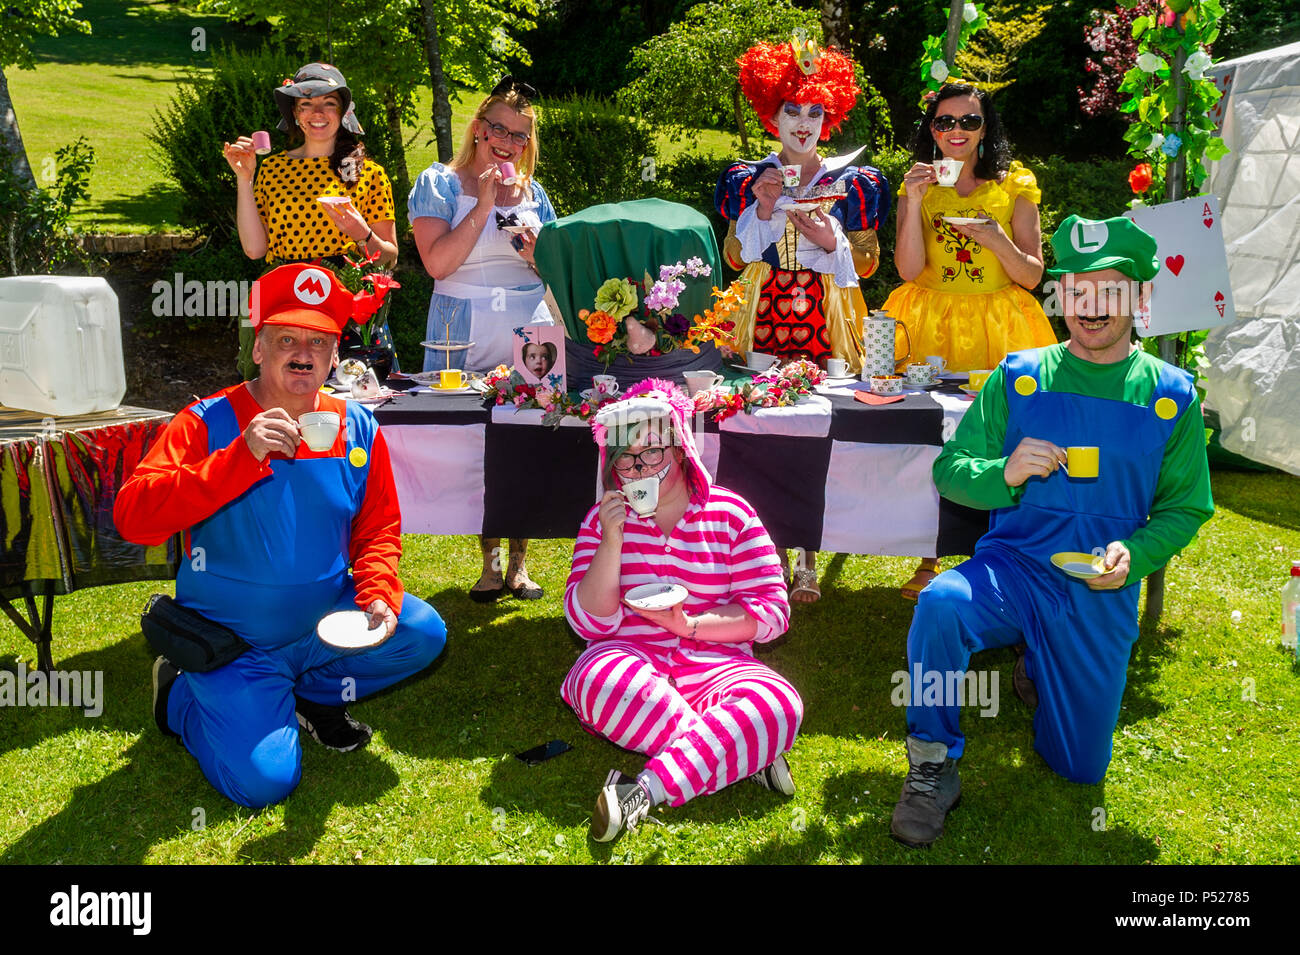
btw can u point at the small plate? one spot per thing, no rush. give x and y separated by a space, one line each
964 220
349 630
970 391
439 390
655 596
333 200
908 386
841 382
759 371
1078 565
446 346
384 394
516 229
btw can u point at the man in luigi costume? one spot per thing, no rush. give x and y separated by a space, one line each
1150 494
277 536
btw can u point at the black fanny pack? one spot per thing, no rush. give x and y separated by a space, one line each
187 638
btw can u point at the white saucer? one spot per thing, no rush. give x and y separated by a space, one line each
384 394
964 220
907 385
446 346
840 382
349 630
439 390
333 200
759 371
970 391
659 596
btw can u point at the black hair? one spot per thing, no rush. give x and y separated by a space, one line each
997 151
348 157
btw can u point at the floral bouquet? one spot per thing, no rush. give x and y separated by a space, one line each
632 318
369 290
507 386
774 389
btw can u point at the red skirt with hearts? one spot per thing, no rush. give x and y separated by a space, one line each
789 322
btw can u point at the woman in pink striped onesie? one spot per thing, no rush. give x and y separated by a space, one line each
680 685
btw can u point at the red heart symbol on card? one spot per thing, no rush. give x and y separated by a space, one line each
1175 263
1208 222
1218 296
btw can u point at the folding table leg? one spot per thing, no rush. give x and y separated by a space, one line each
35 627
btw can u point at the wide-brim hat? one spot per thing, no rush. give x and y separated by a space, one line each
301 295
1091 245
315 79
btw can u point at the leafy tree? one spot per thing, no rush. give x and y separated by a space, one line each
1111 37
21 22
688 74
991 57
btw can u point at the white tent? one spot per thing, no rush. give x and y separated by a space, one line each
1254 377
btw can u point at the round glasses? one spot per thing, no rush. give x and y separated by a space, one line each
947 122
500 132
649 458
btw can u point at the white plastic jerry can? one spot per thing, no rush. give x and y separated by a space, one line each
60 345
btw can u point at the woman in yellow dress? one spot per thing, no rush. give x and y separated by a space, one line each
965 294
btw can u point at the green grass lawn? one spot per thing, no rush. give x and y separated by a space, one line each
108 84
1204 767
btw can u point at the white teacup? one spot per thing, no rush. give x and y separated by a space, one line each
697 381
790 176
886 384
605 384
367 386
837 367
948 170
319 429
642 495
938 361
760 361
919 373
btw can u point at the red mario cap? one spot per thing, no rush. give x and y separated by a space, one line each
306 296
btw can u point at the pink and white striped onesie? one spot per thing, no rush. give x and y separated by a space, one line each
708 713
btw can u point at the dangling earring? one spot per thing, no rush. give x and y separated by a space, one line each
981 149
934 149
475 139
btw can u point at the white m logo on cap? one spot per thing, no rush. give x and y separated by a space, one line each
1088 236
312 286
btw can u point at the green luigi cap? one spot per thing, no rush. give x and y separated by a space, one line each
1090 245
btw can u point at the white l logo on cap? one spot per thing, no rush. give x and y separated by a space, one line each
1088 236
312 286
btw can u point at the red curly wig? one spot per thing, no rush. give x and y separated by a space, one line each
770 77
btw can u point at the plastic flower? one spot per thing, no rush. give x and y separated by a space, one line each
1157 140
968 13
938 71
1150 62
1171 145
617 298
1139 180
695 266
1197 64
600 327
669 272
677 324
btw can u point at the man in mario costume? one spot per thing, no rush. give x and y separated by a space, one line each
272 528
1091 446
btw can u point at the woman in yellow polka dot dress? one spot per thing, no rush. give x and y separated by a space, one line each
966 283
278 211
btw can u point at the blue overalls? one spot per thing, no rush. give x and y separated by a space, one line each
1078 640
269 565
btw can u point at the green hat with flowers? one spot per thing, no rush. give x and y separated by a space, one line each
1090 245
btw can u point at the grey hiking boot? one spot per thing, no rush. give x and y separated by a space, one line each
931 789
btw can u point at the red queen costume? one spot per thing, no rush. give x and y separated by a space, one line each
808 303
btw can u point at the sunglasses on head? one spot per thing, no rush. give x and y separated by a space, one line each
947 122
510 84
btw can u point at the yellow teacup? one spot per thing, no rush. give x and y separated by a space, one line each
450 378
1081 462
978 377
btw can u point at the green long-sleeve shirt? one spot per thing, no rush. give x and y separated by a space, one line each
971 467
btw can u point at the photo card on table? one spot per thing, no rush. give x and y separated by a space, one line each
539 355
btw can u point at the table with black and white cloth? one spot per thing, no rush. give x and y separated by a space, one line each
830 473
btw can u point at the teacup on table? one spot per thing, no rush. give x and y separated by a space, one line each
606 385
697 381
837 368
977 378
886 384
939 363
451 379
920 373
319 429
760 361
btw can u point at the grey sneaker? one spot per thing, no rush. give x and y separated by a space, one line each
164 675
622 804
332 726
776 777
931 789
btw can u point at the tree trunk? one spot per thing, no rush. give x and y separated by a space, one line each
11 139
835 31
438 81
740 118
397 171
954 32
